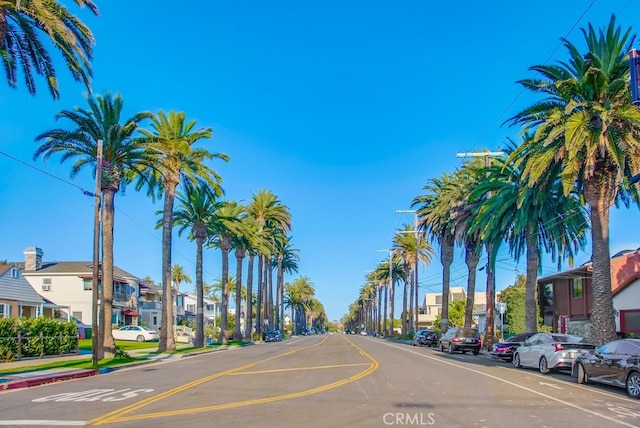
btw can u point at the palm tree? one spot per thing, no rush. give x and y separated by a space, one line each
240 241
530 219
435 221
588 126
121 158
297 297
270 214
224 226
21 22
195 209
171 144
410 247
178 276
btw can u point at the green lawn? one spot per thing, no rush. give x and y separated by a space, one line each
86 344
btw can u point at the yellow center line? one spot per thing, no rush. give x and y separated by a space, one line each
119 415
293 369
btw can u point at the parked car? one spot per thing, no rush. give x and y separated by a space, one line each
462 339
138 333
273 336
615 363
550 351
504 350
425 337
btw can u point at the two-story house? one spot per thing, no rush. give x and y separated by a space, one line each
17 297
69 285
432 306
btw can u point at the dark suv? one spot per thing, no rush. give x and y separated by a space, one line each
425 337
461 339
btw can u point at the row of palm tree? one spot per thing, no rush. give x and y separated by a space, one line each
578 156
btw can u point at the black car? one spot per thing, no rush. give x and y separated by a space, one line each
504 350
273 336
425 337
615 363
462 339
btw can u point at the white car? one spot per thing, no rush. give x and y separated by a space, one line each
136 333
549 351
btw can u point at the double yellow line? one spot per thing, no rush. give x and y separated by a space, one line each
124 414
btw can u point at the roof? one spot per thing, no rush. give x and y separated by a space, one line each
80 267
17 288
625 270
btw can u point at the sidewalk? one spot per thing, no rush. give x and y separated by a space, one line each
23 377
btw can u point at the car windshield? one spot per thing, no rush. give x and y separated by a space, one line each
567 338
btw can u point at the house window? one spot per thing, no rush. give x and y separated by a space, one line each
155 320
46 284
438 300
88 284
77 316
576 288
191 308
14 273
5 311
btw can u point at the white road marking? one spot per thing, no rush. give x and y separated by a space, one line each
42 422
549 385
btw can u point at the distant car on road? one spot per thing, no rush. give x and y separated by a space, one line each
425 337
504 350
550 351
136 333
461 339
615 363
273 336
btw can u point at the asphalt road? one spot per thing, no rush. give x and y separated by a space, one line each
323 381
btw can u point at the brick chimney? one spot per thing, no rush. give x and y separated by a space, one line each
32 259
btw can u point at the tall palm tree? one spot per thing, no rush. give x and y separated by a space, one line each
240 241
195 209
224 226
433 209
588 126
171 142
270 214
22 23
530 219
297 297
121 158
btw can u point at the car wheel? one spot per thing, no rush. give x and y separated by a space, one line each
450 348
633 384
581 375
140 338
516 361
413 343
441 347
543 366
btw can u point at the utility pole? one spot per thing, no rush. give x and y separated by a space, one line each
96 345
491 283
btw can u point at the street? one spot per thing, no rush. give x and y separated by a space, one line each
323 381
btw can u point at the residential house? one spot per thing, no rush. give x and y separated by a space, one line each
211 307
17 297
432 306
68 286
565 298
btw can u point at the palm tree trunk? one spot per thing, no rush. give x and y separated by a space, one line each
412 287
279 295
108 344
416 309
392 298
530 313
405 290
249 323
199 342
446 257
379 318
260 296
599 197
167 341
472 257
270 297
237 332
386 307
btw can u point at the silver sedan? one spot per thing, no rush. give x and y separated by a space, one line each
549 351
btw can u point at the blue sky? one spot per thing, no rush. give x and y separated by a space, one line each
344 110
